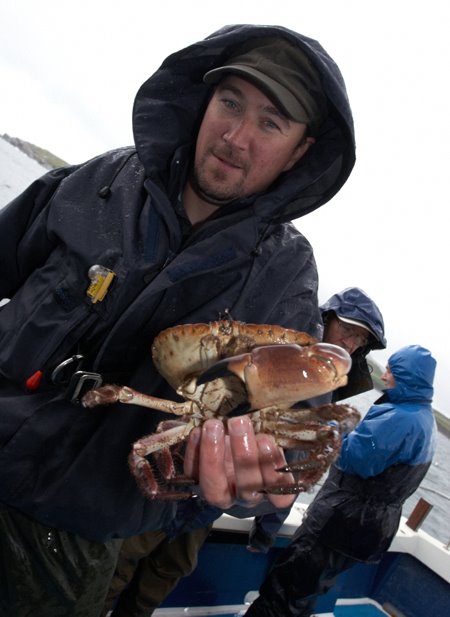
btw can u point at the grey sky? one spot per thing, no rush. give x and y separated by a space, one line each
69 73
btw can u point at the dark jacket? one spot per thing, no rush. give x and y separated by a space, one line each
66 465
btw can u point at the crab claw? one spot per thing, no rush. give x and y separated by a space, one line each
285 374
221 369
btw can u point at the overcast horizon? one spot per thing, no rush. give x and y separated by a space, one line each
70 73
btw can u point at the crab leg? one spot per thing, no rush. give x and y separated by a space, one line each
154 442
308 472
142 470
123 394
296 432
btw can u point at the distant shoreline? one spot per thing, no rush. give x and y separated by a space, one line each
443 422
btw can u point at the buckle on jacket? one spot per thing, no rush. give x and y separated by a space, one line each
80 383
68 373
62 373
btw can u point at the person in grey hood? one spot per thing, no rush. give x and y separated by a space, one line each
356 513
235 136
353 321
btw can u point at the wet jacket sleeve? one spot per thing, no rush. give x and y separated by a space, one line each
24 242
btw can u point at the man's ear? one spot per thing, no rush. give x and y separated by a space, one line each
300 152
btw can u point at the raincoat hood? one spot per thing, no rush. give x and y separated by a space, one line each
169 107
354 303
413 368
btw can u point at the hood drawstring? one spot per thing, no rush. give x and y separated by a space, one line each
258 250
105 191
255 252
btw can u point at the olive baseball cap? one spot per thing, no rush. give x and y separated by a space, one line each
284 72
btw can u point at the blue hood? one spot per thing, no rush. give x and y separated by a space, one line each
354 303
413 368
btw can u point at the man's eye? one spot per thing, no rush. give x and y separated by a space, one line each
270 124
230 104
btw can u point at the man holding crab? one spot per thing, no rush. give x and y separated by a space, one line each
235 137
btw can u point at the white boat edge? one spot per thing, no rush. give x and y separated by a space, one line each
418 544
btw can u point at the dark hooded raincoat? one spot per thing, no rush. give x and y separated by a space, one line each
354 303
64 465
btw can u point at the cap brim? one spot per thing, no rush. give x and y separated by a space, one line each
355 322
284 99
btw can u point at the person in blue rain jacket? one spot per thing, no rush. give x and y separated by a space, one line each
356 514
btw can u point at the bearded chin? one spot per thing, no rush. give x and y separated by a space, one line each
206 193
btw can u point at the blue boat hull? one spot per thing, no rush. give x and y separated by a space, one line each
226 571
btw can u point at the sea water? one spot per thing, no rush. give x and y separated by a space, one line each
435 489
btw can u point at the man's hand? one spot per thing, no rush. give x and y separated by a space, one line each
233 468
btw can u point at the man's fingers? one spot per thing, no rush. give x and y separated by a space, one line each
244 450
236 468
192 454
213 470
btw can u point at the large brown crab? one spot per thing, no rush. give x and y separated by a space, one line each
228 367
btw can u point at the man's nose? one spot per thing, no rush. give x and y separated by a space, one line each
349 345
238 134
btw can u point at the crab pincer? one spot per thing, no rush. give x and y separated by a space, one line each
282 375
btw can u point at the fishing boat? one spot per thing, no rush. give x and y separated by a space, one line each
412 579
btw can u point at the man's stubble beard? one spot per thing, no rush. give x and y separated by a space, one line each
209 191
